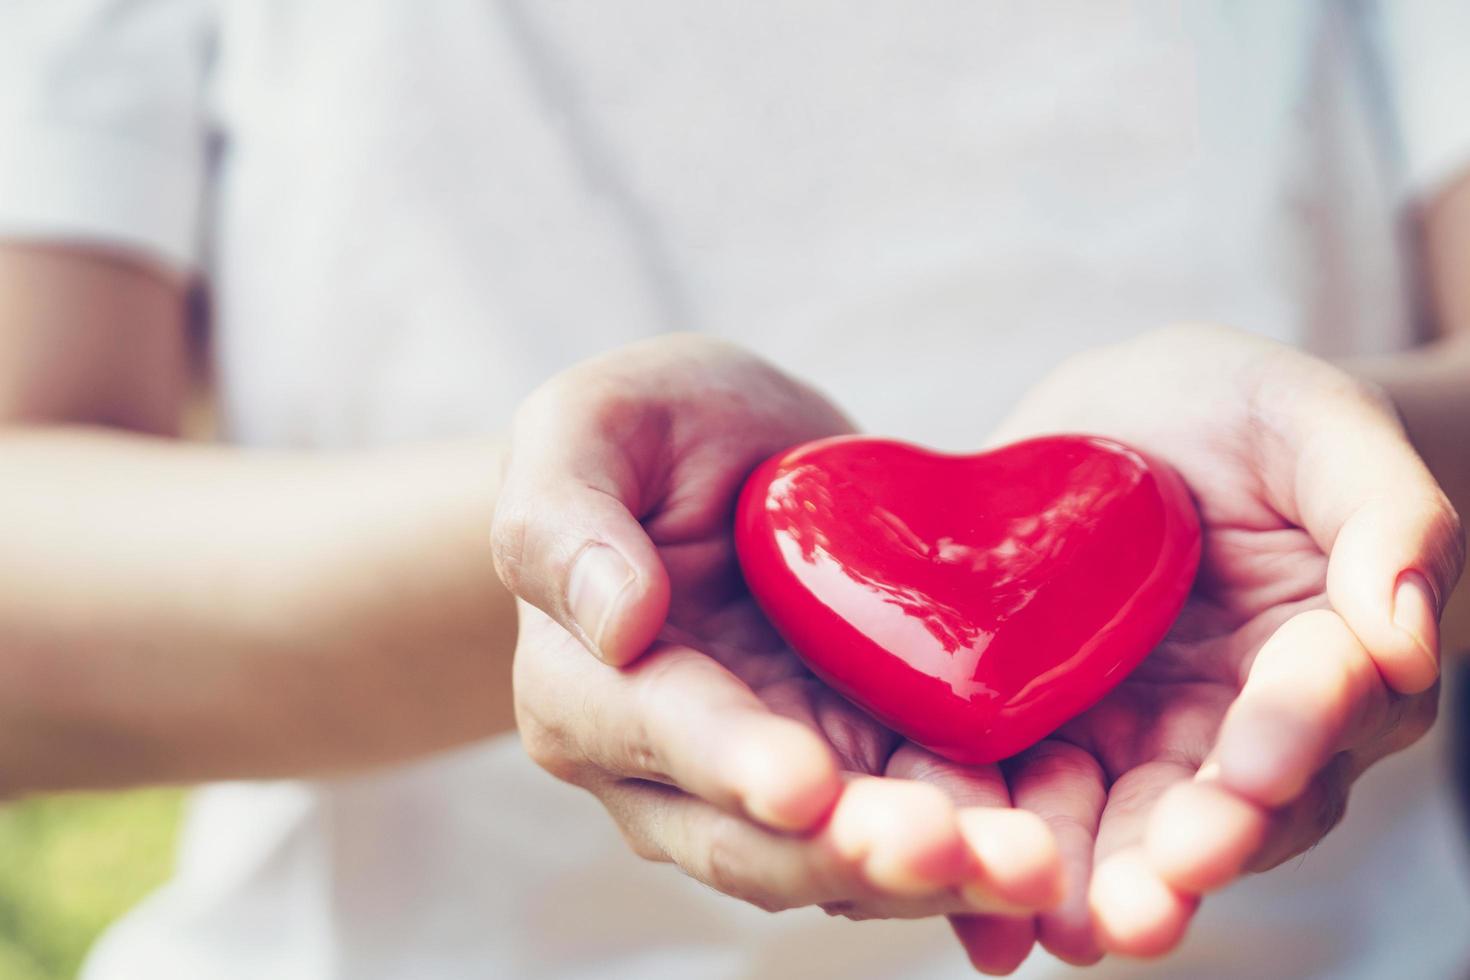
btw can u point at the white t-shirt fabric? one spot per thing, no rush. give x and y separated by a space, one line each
410 214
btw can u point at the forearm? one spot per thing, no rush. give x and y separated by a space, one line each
1431 387
176 612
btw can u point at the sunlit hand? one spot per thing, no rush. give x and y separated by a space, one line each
1308 650
702 734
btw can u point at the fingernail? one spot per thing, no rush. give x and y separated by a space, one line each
599 578
1416 612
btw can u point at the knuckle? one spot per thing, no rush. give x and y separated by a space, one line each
614 409
508 532
640 816
657 690
1371 394
1365 399
550 759
642 845
542 408
620 406
722 865
832 873
604 397
640 754
548 749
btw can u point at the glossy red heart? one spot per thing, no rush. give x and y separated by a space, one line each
971 603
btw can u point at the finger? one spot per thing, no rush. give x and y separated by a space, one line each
1311 691
1302 823
695 724
967 786
677 717
607 445
847 867
1017 865
1394 542
1204 834
1297 827
996 945
1134 911
1137 914
1392 568
904 834
566 535
1201 836
1066 788
731 855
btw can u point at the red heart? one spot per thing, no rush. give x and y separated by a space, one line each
971 603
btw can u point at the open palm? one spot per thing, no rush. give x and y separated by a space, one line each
615 526
1233 745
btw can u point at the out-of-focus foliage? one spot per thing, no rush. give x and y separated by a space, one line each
71 864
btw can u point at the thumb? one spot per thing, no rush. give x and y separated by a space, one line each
1394 543
1393 565
565 539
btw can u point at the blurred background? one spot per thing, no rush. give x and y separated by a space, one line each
69 865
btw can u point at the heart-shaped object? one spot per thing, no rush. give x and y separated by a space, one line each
970 603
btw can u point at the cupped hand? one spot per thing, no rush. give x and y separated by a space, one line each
1307 651
706 739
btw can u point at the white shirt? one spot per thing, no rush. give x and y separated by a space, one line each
410 214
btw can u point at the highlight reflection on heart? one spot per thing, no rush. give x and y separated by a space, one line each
971 603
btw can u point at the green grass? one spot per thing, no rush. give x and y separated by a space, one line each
71 864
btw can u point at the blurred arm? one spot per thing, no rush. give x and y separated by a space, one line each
1431 385
173 611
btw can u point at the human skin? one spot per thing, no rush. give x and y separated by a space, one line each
1326 546
718 750
1229 751
189 665
172 611
1307 651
